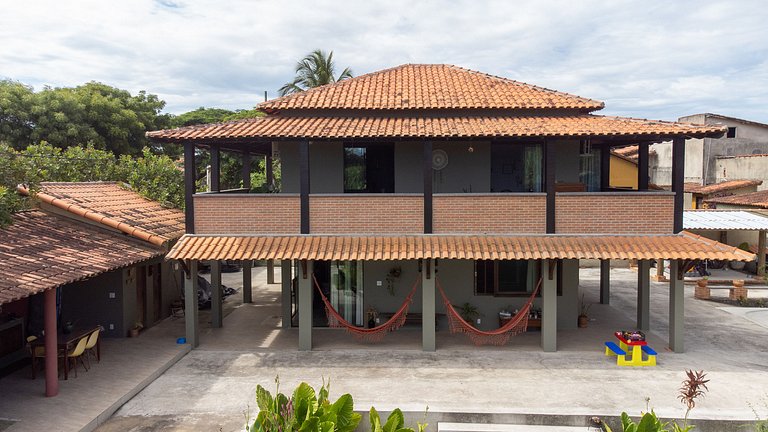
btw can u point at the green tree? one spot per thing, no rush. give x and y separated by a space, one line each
16 103
314 70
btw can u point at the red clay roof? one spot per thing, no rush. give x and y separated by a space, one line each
720 187
630 152
754 199
430 86
360 126
408 247
112 205
40 251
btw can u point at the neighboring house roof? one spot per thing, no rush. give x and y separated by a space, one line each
630 152
487 247
430 86
714 116
721 220
754 199
41 251
720 187
741 156
480 126
111 204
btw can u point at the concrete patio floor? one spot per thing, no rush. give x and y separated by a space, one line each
211 387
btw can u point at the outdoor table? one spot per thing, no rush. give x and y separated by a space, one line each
636 357
65 342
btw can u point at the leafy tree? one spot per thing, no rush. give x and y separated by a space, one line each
201 115
314 70
16 103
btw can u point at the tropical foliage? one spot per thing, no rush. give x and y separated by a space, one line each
314 70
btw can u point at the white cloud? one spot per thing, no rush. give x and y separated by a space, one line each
655 59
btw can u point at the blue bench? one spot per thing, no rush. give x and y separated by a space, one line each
612 348
648 350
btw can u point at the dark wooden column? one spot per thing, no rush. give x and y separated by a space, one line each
605 167
549 184
304 185
642 167
678 180
215 169
190 176
246 172
427 167
268 170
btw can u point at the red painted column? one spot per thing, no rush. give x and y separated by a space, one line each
51 357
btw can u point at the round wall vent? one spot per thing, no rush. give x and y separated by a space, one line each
439 159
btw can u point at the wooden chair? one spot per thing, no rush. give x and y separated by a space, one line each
35 353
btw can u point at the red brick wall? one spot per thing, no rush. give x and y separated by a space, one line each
247 214
366 214
614 213
489 213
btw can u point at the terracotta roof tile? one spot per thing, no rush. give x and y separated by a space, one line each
115 206
40 251
319 247
337 127
720 187
430 86
754 199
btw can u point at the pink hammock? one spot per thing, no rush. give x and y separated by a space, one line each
376 334
518 324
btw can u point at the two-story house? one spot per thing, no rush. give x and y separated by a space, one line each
470 187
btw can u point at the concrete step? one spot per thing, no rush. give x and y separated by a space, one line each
494 427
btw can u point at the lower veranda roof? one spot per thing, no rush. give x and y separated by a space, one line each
684 246
277 126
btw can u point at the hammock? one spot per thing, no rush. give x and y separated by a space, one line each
515 326
376 334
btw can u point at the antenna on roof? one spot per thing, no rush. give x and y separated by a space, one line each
265 95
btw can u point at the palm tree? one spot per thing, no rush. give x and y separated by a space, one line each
314 70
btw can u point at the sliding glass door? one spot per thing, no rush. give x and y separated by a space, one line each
347 290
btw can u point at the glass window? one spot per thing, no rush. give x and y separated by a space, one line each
516 167
369 168
508 277
589 167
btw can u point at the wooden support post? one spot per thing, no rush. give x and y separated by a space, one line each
190 305
246 170
428 335
215 169
548 306
269 172
270 271
643 294
190 179
605 281
678 179
51 346
304 185
217 308
642 167
247 266
761 253
549 170
605 167
676 307
305 306
427 172
286 278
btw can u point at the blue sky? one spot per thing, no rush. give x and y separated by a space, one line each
651 59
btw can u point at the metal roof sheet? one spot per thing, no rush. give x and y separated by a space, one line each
723 220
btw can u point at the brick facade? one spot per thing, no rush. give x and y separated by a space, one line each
614 213
247 214
366 214
489 213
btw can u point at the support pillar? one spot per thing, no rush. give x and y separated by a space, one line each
642 167
678 180
304 185
428 336
190 305
761 253
269 173
286 277
643 294
428 172
247 265
51 355
605 167
217 310
246 171
605 281
215 169
305 306
270 271
549 185
549 305
190 178
676 307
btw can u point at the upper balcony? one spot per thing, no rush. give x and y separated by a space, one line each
472 188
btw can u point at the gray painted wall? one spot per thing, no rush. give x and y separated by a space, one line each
746 167
87 303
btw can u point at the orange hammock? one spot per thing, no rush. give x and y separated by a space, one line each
518 324
376 334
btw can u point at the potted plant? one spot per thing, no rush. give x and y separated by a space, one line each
372 314
468 312
134 332
583 312
393 274
702 291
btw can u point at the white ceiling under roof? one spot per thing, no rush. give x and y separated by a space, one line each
723 220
